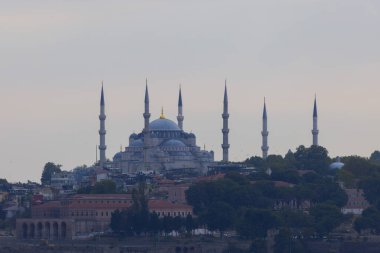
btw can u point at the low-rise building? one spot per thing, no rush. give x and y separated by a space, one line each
76 215
167 208
356 202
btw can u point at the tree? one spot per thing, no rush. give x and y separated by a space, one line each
254 223
370 219
104 187
154 224
312 158
4 185
189 223
326 217
257 162
371 188
375 157
220 216
49 169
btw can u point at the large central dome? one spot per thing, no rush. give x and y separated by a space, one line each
163 124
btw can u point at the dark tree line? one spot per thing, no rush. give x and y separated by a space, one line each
237 203
137 220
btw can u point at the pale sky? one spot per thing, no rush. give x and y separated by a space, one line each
54 55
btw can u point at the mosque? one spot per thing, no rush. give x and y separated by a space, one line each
163 145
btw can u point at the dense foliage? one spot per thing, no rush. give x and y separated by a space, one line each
102 187
49 169
137 220
247 206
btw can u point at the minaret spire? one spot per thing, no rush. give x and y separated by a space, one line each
146 130
180 116
102 131
225 130
264 133
315 130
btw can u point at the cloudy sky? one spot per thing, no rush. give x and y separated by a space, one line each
54 55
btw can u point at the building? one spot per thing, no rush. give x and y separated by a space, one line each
176 193
77 215
163 145
356 202
83 214
166 208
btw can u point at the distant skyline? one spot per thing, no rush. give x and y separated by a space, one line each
55 54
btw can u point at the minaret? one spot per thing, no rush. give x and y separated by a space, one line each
264 133
146 131
225 130
315 130
102 131
180 115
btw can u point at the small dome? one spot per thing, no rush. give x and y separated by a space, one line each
173 143
133 136
117 156
137 143
337 165
191 135
163 124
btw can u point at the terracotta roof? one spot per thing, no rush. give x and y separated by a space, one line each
50 204
99 205
102 196
212 177
282 184
164 204
166 181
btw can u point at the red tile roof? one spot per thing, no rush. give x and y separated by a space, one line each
155 204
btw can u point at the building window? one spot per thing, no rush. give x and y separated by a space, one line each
102 213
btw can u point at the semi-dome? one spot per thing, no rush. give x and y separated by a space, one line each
163 124
173 143
137 143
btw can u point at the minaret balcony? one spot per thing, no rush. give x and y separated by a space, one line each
225 131
102 147
102 132
102 117
224 146
264 133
